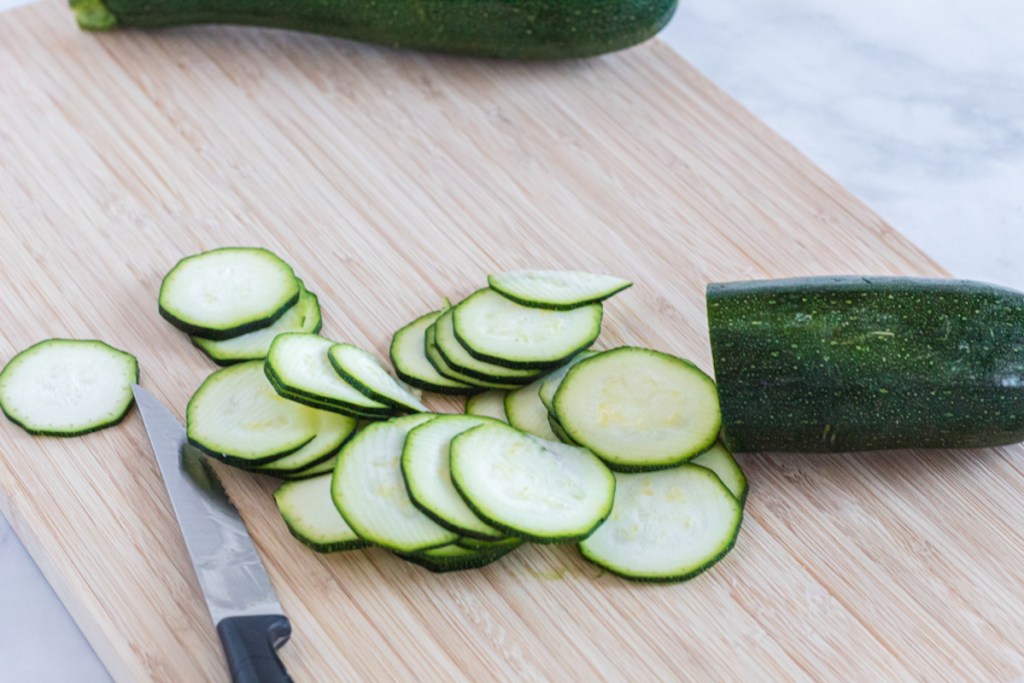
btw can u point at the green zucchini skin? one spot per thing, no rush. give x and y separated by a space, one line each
835 364
515 29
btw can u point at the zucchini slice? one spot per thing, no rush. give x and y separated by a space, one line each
537 490
309 512
490 403
454 557
299 368
370 493
409 356
304 316
236 416
510 542
227 292
559 431
526 412
67 387
323 467
441 365
428 478
332 430
557 289
719 460
639 409
363 371
668 525
554 379
497 330
455 354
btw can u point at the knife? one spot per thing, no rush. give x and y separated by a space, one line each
242 603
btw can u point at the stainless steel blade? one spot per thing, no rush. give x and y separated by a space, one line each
227 565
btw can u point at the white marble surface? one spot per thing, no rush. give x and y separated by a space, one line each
915 105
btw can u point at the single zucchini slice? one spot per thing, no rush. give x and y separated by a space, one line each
236 416
298 363
666 526
497 330
309 512
409 356
454 557
370 493
304 316
719 460
227 292
490 403
534 489
363 371
324 467
554 379
639 409
428 478
67 387
556 289
332 430
559 431
509 542
441 365
526 412
455 354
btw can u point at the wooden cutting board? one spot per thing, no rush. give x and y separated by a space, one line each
390 180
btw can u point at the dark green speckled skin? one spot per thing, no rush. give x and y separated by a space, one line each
517 29
852 363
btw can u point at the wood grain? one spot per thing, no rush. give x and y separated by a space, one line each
390 180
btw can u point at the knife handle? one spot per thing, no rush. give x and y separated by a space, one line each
250 645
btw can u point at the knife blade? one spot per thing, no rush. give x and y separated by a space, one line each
242 603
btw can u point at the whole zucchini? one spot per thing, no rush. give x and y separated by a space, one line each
518 29
856 363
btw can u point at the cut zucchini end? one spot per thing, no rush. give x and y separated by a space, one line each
68 387
93 15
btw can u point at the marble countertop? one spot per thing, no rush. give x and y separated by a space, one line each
916 106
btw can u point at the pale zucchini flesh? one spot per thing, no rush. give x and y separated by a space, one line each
226 292
299 364
363 371
236 416
304 316
490 403
332 431
324 467
409 356
530 488
309 511
639 409
553 379
526 412
444 368
456 355
719 460
496 330
558 289
668 525
428 477
68 387
370 493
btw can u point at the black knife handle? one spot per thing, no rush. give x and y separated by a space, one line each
250 644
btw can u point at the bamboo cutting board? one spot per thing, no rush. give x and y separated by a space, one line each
390 180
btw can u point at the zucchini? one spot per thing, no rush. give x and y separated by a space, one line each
526 413
226 292
638 409
236 416
332 430
299 369
441 365
496 330
510 542
68 387
455 355
304 316
526 29
554 379
557 289
719 460
490 403
559 431
370 493
856 363
455 557
668 525
409 356
363 371
534 489
308 510
323 467
428 478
